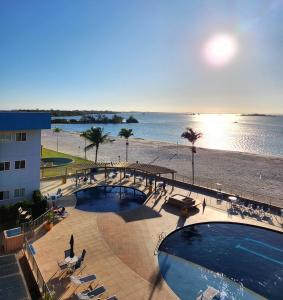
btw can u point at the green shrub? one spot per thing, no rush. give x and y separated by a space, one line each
36 196
9 213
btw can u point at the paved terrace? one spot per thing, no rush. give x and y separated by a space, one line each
120 246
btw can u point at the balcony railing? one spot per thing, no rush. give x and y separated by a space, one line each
42 285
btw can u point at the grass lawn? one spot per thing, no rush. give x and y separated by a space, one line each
61 170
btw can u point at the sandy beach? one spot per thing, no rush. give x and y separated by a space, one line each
259 177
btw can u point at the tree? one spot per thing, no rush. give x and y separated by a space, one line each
96 136
126 133
192 136
131 119
57 131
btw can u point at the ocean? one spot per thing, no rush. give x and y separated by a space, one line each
253 134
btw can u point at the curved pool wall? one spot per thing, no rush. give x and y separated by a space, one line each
108 198
241 261
56 161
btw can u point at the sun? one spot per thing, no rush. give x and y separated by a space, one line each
220 49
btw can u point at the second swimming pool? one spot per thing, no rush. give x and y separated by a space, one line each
109 198
240 261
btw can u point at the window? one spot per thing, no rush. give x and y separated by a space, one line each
4 165
4 195
21 136
20 164
19 193
5 137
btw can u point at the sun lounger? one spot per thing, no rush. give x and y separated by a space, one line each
78 264
24 215
21 211
112 175
80 280
140 178
91 294
63 267
63 215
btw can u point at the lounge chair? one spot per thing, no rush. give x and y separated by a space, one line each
84 279
62 213
63 267
128 175
67 253
78 264
112 175
22 212
140 178
89 294
24 215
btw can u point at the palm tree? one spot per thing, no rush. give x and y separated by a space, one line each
57 131
126 133
192 136
96 136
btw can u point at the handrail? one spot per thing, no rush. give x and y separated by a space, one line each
43 287
31 225
161 237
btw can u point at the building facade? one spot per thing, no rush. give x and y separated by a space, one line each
20 145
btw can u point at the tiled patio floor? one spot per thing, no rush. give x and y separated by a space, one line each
120 247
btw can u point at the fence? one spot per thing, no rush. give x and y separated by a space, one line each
232 190
253 195
31 225
43 287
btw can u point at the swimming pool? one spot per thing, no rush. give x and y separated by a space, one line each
241 261
55 161
109 198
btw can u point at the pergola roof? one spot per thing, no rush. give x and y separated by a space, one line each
151 169
145 168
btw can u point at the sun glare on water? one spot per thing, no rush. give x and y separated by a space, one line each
220 49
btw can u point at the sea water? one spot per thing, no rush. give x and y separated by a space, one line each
254 134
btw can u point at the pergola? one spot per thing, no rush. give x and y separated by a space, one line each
149 170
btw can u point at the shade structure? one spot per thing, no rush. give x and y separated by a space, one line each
72 254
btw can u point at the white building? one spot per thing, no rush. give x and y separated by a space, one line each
20 143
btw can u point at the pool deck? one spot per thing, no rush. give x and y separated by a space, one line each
119 246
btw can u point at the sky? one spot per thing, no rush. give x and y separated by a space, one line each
141 55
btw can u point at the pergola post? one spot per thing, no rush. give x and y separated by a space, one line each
120 176
134 176
105 171
155 183
76 178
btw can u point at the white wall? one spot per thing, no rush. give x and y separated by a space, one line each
28 178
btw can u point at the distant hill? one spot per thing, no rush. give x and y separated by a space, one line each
257 115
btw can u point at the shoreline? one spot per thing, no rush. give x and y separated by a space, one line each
238 172
170 144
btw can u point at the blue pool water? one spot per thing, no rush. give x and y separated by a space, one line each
109 198
13 231
241 261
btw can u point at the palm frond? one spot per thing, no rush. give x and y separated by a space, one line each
191 135
126 133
